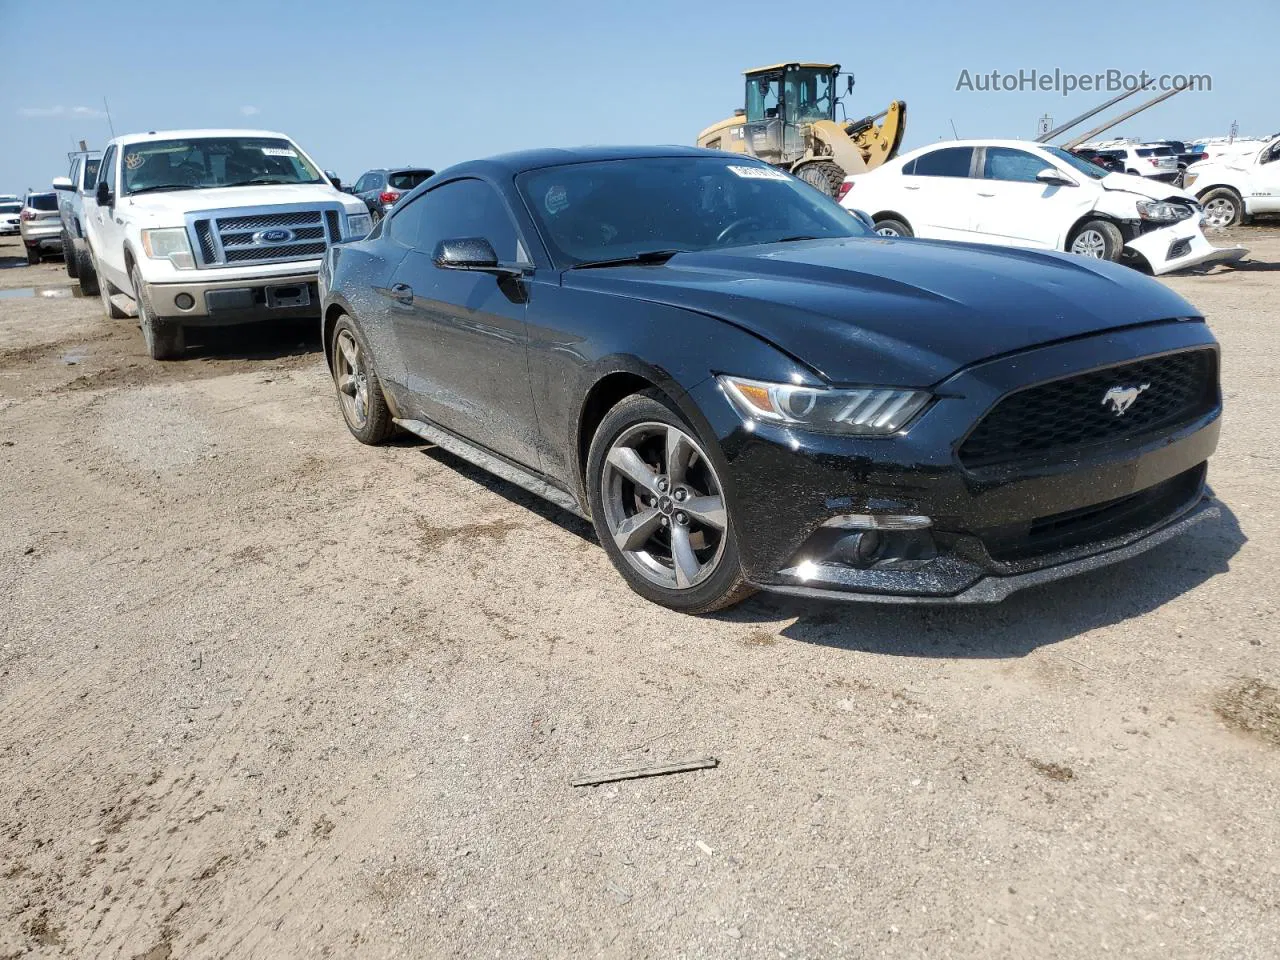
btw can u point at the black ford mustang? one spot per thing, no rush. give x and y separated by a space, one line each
741 386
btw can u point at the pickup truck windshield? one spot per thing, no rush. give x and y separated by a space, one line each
196 163
616 210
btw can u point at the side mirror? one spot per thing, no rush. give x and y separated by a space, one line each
1054 178
333 178
103 195
471 253
849 83
865 219
62 183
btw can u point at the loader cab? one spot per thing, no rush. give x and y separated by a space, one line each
781 100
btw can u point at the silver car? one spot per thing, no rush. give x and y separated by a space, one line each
10 211
41 226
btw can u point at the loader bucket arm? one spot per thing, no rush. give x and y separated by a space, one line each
863 145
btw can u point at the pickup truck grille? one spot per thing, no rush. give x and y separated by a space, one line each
275 234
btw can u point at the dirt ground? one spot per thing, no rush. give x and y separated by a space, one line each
265 692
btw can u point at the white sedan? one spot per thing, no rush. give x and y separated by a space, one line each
1018 194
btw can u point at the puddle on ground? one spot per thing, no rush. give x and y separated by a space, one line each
50 292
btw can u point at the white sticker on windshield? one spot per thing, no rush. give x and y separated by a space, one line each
758 173
278 152
134 160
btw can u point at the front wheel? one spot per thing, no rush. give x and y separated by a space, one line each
893 228
69 255
165 338
85 272
659 508
1099 239
1222 207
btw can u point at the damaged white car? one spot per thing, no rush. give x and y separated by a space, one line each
1018 194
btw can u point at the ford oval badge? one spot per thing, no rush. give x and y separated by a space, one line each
278 235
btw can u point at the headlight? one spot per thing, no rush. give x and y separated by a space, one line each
358 225
866 411
1161 211
170 244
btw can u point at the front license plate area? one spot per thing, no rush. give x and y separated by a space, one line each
288 295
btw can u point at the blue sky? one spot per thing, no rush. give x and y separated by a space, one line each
372 84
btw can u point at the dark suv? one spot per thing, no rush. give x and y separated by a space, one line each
380 189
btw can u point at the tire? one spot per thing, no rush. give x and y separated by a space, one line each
1099 239
33 256
823 175
164 337
637 432
85 272
893 228
69 255
360 397
1223 207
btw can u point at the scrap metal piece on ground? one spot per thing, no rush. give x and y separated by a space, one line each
635 773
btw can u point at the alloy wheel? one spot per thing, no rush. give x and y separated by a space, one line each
664 505
1090 243
352 379
887 232
1219 212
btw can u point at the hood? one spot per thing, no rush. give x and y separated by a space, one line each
1145 186
172 206
900 312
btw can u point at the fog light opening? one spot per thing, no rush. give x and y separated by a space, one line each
858 549
184 301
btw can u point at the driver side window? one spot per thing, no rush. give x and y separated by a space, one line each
107 168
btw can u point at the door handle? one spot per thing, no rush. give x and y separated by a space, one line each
909 187
985 194
402 293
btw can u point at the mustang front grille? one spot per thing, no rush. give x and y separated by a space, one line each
1128 401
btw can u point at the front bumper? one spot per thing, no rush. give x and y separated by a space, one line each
212 303
1180 246
1123 497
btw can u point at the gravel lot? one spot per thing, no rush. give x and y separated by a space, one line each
265 692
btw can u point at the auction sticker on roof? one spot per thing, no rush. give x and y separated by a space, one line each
278 152
758 173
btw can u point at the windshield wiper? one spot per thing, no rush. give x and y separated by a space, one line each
263 181
648 256
162 186
795 239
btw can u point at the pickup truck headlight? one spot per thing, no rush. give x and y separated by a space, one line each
1162 211
169 243
865 411
358 226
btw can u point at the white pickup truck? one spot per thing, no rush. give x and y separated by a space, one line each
1234 186
210 228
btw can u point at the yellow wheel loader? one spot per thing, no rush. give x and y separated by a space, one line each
790 122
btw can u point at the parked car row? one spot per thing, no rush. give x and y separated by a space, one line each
1019 194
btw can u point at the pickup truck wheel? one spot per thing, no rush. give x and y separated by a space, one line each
69 255
85 272
1222 207
364 408
164 338
1099 239
33 256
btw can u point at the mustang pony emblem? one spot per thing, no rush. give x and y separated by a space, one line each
1122 398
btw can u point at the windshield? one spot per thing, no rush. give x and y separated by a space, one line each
611 209
1078 163
812 94
408 179
10 207
213 162
43 201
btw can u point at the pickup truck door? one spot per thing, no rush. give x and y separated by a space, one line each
1014 209
1264 193
106 227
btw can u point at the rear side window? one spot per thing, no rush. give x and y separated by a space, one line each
1004 163
105 174
1155 151
408 179
947 162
